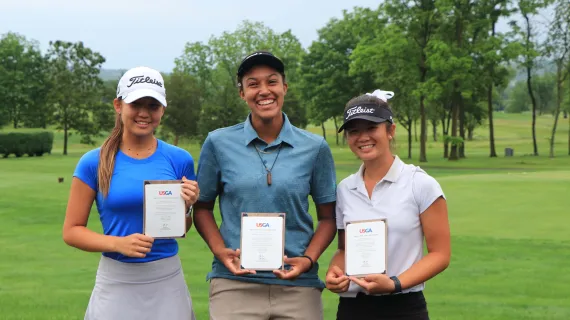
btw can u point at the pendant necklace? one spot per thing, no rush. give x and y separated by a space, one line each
266 169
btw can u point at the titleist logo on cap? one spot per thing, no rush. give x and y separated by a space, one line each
358 110
143 79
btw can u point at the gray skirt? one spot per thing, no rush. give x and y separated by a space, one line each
140 291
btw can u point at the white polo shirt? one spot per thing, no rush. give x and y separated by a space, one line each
400 197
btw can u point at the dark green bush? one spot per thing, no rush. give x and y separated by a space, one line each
30 143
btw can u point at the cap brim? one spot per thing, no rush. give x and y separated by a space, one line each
137 94
363 117
261 59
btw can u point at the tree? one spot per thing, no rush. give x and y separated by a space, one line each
558 48
196 61
475 112
494 51
184 104
326 85
74 72
420 20
545 88
391 56
214 66
223 109
23 84
102 112
38 112
567 109
529 8
463 24
312 70
295 110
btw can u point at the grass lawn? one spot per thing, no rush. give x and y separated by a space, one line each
509 223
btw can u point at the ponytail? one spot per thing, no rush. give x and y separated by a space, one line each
107 155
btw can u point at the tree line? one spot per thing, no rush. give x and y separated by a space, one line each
447 63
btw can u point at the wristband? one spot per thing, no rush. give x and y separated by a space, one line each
312 263
189 212
397 284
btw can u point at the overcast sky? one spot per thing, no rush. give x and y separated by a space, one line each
144 32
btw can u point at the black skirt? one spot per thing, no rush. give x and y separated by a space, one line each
405 306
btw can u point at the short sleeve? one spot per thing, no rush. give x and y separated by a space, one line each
323 186
86 169
208 172
339 210
426 190
188 168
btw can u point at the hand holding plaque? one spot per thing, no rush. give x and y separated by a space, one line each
164 209
231 260
262 241
366 247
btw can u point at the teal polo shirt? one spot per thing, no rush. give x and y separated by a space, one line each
231 169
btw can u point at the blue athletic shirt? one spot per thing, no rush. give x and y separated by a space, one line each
121 213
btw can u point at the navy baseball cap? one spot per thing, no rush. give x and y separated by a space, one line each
260 58
370 111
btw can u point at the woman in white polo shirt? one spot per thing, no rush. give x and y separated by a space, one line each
414 206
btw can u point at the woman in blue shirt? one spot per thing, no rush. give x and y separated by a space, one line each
138 277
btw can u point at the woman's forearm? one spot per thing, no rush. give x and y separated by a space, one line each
206 226
87 240
338 259
425 269
322 238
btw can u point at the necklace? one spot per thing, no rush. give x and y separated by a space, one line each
266 169
144 152
265 152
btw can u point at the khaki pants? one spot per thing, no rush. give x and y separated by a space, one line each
237 300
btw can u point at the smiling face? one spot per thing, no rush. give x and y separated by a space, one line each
141 117
369 140
263 89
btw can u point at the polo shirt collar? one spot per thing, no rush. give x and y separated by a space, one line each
391 176
285 135
394 173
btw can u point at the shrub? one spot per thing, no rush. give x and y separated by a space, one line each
30 143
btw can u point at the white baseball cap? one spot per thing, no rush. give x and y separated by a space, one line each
141 82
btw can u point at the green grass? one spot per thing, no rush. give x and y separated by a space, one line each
508 216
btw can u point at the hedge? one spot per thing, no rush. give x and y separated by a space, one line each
30 143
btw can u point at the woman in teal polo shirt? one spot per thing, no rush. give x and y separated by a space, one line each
265 164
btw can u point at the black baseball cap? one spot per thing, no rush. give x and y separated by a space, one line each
367 111
260 58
